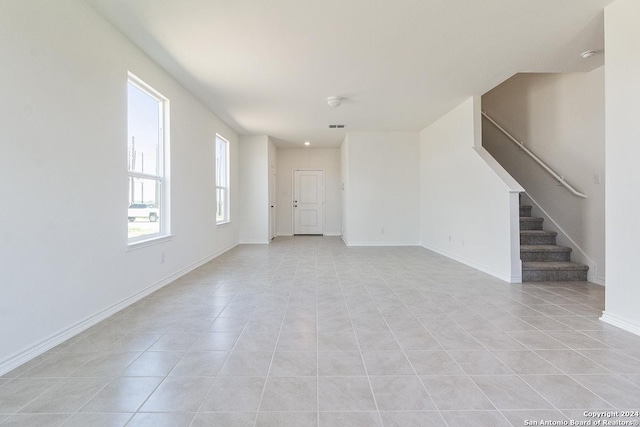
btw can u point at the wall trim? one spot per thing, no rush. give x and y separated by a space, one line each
333 233
57 338
516 278
254 242
621 322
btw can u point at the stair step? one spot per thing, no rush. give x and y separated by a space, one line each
537 237
525 210
553 271
544 253
530 223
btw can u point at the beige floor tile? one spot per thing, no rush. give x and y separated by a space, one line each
306 324
279 419
294 364
68 396
234 394
35 420
411 418
169 419
97 420
226 419
509 392
297 394
345 394
247 363
153 364
475 419
200 364
572 362
387 363
565 393
350 419
400 393
452 393
178 394
125 394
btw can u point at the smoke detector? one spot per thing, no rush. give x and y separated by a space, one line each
588 54
335 101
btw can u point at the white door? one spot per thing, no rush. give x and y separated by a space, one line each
272 204
308 202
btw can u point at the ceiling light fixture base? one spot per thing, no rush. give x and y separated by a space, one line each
335 101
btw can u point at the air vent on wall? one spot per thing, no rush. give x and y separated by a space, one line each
336 126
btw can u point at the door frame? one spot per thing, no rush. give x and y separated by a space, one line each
273 202
293 194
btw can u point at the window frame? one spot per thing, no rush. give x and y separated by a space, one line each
162 176
224 188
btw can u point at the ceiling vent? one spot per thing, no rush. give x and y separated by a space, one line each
336 126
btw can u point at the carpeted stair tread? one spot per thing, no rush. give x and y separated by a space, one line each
539 232
544 248
530 223
554 266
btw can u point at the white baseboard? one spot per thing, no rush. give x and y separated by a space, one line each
516 278
59 337
333 234
620 322
254 242
285 234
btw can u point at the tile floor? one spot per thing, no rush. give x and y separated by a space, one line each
308 332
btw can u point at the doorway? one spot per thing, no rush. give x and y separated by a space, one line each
272 204
308 202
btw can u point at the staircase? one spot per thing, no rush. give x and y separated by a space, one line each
543 260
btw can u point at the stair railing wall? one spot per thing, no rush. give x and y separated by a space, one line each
558 177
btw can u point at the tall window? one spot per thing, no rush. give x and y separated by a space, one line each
222 180
147 116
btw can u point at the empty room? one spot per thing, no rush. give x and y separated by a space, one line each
337 213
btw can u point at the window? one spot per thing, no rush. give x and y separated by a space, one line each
222 180
147 116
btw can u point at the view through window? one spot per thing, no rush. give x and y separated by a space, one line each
146 148
222 180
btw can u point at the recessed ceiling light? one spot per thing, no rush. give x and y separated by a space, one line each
588 54
307 143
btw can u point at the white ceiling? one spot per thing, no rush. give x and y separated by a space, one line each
267 66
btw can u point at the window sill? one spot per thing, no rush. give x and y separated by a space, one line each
223 223
139 244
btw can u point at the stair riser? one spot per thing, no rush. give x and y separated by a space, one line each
553 276
528 224
525 210
545 256
537 240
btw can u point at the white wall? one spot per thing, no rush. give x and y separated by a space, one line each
469 205
560 118
63 232
622 87
254 189
326 159
383 187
